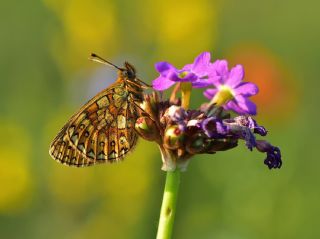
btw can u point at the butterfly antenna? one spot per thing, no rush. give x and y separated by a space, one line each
96 58
149 86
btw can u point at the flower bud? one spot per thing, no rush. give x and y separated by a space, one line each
273 159
147 129
150 104
221 145
173 137
263 146
197 143
177 113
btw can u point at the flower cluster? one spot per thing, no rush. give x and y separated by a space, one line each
229 91
182 133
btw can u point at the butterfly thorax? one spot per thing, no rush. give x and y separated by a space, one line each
133 86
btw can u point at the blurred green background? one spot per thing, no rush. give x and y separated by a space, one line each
45 77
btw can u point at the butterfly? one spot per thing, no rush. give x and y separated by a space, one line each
103 130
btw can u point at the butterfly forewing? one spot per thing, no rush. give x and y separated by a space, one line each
103 129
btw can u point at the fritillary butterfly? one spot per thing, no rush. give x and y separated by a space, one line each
103 129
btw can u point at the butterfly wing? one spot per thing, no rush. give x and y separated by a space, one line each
102 131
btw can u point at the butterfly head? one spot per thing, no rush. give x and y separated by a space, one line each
129 71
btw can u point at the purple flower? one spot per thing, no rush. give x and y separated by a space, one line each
251 124
230 91
241 127
273 159
214 128
197 73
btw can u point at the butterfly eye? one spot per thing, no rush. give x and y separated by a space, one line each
130 74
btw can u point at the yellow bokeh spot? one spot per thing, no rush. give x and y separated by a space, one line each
15 179
69 186
15 176
88 26
183 28
177 30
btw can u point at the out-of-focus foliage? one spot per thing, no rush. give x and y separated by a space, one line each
45 77
15 170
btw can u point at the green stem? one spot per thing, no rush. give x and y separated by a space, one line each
186 88
169 202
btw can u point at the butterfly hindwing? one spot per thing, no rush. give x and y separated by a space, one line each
102 131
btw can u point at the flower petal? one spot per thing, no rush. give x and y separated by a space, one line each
249 137
187 67
236 76
189 77
164 68
201 63
246 89
232 105
203 82
162 83
200 83
209 126
210 93
220 69
246 105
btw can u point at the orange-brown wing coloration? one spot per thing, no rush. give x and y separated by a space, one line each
103 129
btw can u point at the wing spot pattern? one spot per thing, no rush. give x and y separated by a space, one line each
102 131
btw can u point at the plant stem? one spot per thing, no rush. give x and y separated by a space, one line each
186 88
169 202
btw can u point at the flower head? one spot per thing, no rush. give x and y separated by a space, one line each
198 73
182 132
230 92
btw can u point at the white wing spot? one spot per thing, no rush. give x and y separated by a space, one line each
121 122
